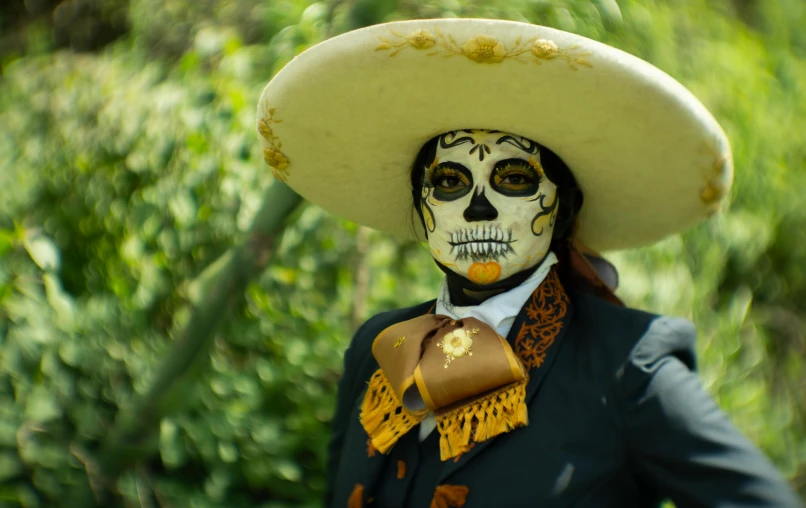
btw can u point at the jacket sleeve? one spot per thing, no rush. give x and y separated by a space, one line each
677 437
350 386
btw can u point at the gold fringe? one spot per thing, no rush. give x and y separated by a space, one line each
494 414
382 414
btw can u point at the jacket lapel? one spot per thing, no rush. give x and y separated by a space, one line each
536 337
374 462
368 463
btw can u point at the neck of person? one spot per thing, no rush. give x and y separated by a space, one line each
465 293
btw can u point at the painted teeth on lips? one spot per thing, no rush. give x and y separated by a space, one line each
480 234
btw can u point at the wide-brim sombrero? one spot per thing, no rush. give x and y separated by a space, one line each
344 120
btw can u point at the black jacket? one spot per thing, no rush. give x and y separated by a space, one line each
617 418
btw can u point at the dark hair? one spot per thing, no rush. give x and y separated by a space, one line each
553 167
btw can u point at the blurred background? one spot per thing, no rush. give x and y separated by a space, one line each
141 366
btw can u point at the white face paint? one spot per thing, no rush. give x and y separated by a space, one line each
487 206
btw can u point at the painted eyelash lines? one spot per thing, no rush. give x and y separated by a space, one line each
481 242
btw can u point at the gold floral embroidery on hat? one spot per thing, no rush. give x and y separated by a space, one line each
457 344
717 180
484 48
272 154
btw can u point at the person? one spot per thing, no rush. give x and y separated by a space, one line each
517 152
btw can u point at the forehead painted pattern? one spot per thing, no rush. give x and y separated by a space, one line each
473 146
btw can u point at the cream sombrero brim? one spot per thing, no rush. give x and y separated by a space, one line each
343 121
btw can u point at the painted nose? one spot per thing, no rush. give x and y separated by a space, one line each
480 209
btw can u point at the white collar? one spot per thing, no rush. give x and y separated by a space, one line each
498 311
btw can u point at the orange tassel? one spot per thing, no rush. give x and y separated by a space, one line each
382 415
450 496
401 469
495 414
356 499
370 448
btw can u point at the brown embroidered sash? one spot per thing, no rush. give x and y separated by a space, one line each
462 370
461 422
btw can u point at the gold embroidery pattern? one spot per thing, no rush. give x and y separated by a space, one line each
485 48
457 344
399 341
272 154
546 310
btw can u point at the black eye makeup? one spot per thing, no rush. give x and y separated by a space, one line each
450 181
514 177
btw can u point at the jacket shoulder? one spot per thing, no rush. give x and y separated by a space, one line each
624 335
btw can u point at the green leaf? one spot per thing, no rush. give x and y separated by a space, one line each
41 405
42 250
10 466
60 301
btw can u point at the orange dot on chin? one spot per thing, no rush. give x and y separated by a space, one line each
484 273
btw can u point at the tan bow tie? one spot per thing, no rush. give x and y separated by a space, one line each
462 370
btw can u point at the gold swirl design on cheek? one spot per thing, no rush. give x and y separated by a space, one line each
437 255
428 215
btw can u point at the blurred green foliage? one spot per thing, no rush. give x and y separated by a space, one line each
126 170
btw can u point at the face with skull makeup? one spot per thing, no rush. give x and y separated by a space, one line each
487 205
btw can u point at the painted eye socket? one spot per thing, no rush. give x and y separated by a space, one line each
450 182
515 178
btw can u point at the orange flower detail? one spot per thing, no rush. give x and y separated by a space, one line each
450 496
356 499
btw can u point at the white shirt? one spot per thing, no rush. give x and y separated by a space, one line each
498 312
